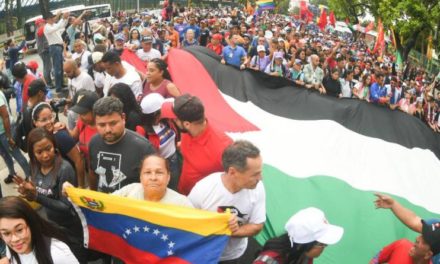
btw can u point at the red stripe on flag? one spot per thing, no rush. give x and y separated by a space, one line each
116 246
191 77
131 57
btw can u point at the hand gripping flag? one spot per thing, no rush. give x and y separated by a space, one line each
138 231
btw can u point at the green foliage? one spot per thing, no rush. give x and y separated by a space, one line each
282 6
409 18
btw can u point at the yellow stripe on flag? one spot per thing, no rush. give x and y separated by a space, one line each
184 218
264 2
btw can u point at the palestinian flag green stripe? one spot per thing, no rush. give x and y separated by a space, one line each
367 229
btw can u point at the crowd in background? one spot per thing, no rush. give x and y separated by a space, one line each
110 79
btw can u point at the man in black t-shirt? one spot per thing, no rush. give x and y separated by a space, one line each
115 152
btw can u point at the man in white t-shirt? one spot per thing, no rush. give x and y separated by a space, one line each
120 73
81 54
78 80
239 189
147 53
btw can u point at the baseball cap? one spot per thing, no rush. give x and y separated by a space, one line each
35 86
278 55
120 37
260 48
147 39
298 61
185 107
97 57
84 101
98 37
217 36
310 225
431 234
33 65
136 20
151 103
39 21
48 15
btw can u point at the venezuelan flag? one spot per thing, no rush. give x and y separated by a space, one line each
265 4
145 232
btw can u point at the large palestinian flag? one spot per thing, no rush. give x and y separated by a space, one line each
321 151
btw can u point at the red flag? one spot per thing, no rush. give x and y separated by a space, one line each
131 57
332 18
369 27
309 16
303 10
323 20
380 40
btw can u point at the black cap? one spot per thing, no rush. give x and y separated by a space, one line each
84 101
35 86
431 234
48 15
188 108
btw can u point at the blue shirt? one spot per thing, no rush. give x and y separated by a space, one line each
376 92
13 53
233 55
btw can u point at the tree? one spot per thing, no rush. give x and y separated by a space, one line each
44 7
8 18
282 6
410 19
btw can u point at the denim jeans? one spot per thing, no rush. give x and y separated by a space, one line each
6 151
56 53
47 67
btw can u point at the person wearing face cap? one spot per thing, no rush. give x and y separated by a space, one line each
43 50
426 248
161 133
201 143
277 67
307 234
260 61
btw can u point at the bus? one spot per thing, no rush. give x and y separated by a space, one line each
97 12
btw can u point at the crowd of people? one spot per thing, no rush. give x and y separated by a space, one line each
133 133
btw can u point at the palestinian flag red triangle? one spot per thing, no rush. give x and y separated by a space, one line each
320 151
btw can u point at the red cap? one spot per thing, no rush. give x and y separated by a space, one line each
39 21
33 65
217 36
167 111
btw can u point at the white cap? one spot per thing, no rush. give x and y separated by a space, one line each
261 48
310 225
151 103
97 56
268 34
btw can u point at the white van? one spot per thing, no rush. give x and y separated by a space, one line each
97 12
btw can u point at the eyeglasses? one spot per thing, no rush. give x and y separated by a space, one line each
20 232
321 245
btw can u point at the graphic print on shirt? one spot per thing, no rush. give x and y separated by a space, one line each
109 167
233 210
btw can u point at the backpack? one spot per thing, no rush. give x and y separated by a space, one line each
267 257
23 126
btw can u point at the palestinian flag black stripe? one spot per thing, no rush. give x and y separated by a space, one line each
320 151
